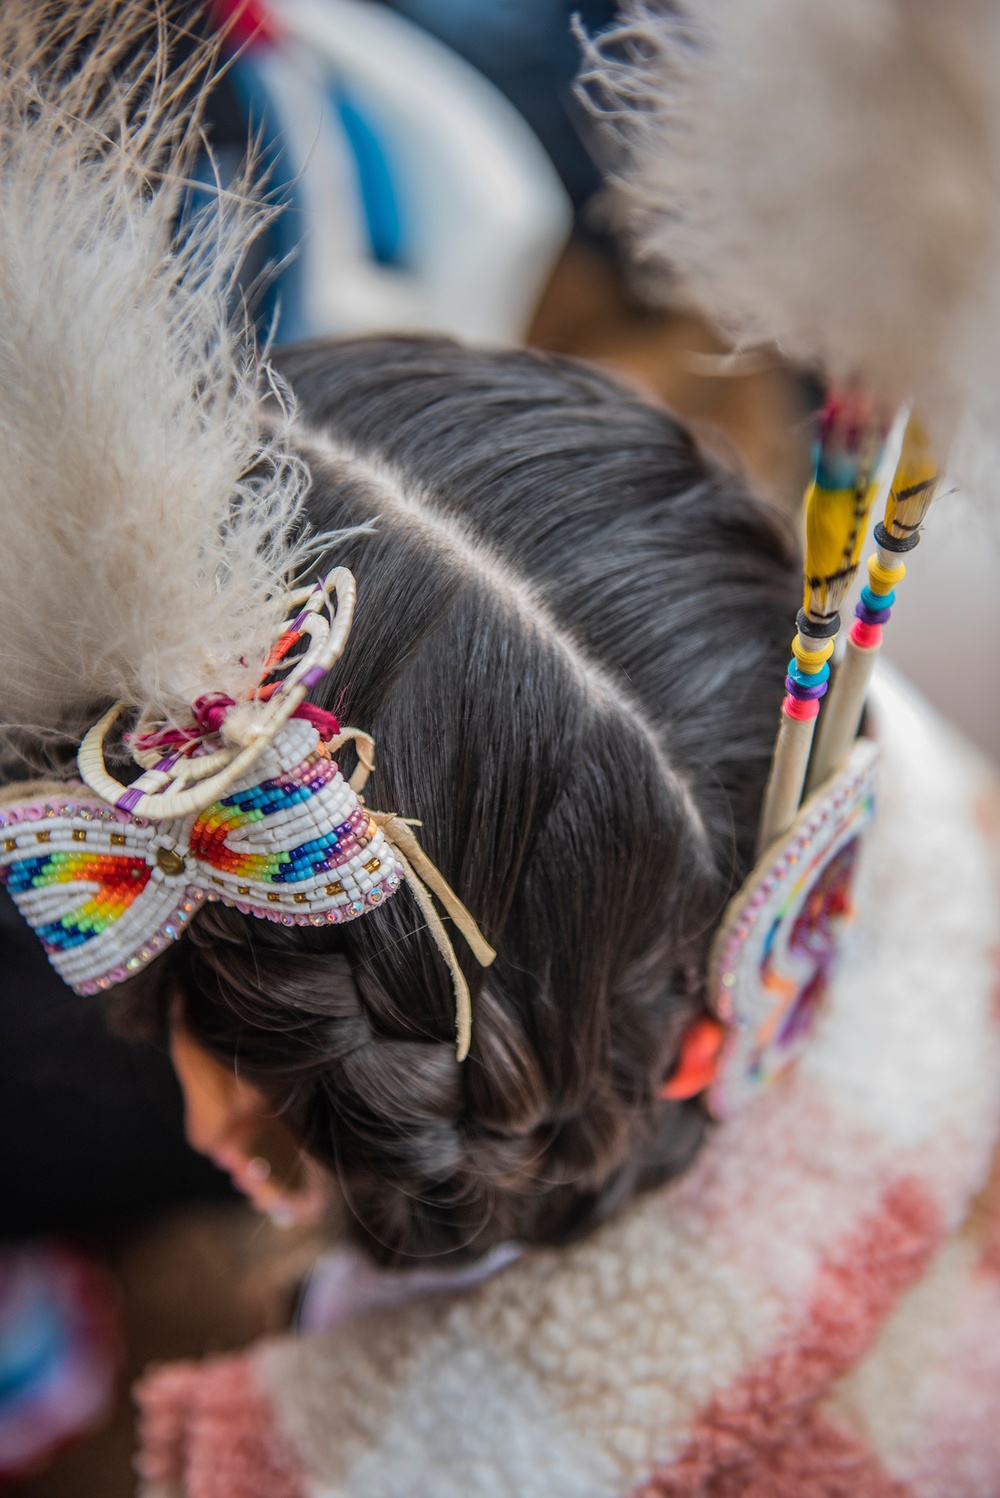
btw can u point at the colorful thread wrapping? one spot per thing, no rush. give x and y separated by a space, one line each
838 503
865 635
808 677
801 711
803 693
910 496
852 469
877 599
872 616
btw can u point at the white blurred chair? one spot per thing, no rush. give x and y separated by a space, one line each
420 198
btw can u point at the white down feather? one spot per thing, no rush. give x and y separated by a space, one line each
825 176
146 524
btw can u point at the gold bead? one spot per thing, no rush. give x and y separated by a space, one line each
118 840
79 835
373 864
170 861
10 844
334 889
301 899
43 837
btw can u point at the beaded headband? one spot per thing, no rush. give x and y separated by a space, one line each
243 806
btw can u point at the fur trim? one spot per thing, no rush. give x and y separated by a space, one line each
823 176
146 524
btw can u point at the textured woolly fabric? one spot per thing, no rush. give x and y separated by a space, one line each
812 1311
210 1430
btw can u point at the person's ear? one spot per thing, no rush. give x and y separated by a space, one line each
232 1122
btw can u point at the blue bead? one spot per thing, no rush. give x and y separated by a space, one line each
808 678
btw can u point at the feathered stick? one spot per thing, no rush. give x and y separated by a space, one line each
848 468
910 496
147 521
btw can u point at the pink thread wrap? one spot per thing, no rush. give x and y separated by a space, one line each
210 713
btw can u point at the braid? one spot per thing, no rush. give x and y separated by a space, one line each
532 669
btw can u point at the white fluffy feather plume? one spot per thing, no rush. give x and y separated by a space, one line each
146 525
825 176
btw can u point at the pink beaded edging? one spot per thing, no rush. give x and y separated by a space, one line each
173 926
768 978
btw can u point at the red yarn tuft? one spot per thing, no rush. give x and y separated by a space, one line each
698 1065
325 723
210 711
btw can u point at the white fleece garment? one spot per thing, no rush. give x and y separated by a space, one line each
577 1373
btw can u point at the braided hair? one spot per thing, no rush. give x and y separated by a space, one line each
569 647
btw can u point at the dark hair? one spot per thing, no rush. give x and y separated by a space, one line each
569 646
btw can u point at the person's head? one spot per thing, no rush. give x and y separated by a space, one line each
568 646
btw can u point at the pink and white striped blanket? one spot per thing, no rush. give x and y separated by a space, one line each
813 1311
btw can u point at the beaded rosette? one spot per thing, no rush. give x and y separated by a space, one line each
778 947
257 816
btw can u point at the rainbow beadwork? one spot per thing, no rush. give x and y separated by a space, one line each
119 881
290 842
783 935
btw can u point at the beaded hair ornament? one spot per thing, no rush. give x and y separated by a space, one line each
259 818
152 496
784 933
782 168
148 495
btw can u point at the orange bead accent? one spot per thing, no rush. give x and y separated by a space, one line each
698 1064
